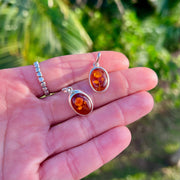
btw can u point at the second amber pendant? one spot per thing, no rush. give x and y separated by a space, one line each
79 101
98 77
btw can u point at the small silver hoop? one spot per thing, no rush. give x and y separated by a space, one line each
41 78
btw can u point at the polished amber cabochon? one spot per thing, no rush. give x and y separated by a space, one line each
99 79
81 103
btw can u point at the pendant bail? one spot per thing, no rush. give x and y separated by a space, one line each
96 64
68 90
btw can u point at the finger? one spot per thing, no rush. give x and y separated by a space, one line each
78 130
122 83
78 162
61 71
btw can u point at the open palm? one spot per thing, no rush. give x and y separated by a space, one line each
43 139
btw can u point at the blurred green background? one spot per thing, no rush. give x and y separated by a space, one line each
146 31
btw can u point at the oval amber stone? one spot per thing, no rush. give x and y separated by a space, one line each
81 103
99 79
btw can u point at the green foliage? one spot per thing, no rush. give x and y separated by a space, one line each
39 29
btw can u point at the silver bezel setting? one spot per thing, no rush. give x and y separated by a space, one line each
77 92
108 79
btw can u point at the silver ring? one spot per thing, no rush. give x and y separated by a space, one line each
41 78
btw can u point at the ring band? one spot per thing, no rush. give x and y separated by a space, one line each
41 79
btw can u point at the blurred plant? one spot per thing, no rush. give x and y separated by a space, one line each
39 29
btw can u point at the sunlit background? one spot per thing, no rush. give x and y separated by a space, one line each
146 31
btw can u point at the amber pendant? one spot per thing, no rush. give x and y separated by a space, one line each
98 77
79 101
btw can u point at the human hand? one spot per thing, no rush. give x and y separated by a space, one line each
43 139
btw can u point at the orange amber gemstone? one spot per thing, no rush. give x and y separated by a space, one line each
99 79
79 101
81 104
97 74
95 82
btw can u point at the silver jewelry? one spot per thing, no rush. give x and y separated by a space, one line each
41 78
98 77
79 101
